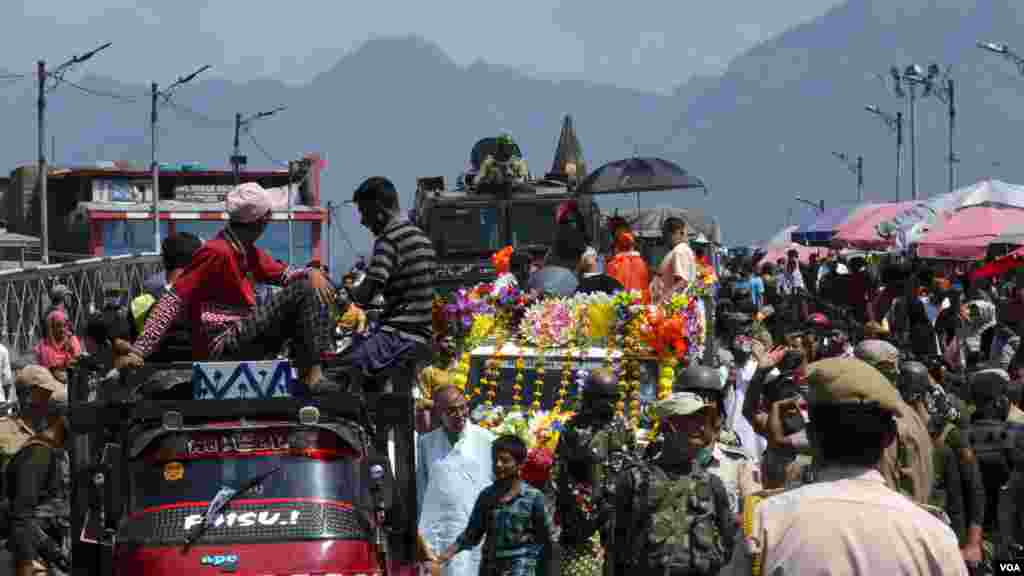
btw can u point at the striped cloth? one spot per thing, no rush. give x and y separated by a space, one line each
404 263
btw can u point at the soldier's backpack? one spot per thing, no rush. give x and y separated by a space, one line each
676 523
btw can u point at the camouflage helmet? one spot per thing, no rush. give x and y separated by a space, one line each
913 380
697 378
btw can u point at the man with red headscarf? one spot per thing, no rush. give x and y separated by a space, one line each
628 266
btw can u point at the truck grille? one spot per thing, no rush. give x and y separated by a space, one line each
248 521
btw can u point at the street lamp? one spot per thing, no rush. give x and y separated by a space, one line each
895 123
1004 51
857 168
243 124
942 89
155 168
912 76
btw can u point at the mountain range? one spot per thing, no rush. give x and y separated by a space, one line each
760 134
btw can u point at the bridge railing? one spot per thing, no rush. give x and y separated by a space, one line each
25 292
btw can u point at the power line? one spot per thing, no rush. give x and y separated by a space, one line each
181 108
99 93
262 149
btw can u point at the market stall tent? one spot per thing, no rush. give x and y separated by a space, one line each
968 232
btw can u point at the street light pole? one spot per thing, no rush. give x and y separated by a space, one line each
154 167
1004 51
166 95
895 123
857 168
43 176
952 124
243 124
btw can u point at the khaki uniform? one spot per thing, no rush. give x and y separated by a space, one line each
1016 415
907 464
14 432
736 471
849 523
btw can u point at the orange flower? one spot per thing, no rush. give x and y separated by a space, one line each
502 260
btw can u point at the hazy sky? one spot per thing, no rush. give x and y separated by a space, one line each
645 44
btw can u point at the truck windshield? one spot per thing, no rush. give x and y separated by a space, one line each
533 223
464 229
317 493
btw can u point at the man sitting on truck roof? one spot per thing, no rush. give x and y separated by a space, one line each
402 271
216 291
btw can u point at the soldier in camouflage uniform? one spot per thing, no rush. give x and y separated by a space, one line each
593 448
729 462
671 517
956 472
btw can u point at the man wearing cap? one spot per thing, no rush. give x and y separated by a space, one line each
38 482
908 463
216 292
730 463
672 517
849 522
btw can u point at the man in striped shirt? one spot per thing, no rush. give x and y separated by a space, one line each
402 270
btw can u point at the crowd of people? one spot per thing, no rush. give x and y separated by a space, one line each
832 433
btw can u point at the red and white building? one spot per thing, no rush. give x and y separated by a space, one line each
109 211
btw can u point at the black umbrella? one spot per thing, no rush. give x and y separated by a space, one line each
633 175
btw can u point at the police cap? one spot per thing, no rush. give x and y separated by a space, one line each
698 378
851 381
36 376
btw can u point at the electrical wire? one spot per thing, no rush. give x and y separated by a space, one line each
181 108
99 93
263 150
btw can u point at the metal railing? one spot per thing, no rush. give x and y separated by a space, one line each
24 293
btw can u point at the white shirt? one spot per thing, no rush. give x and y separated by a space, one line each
6 376
448 481
753 444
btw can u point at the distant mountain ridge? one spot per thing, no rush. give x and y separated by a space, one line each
759 135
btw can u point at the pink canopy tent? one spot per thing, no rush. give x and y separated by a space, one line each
773 253
860 231
968 232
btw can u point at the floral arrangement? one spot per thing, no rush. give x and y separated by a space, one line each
496 313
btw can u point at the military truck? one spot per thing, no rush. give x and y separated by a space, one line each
496 203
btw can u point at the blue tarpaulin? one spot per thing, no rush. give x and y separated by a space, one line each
819 228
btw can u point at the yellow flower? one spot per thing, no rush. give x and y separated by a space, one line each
602 318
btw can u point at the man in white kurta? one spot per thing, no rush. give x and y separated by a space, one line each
453 465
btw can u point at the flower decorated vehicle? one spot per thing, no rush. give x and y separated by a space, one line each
531 355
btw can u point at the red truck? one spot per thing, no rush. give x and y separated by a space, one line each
243 475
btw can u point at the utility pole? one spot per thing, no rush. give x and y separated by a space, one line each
44 205
952 124
155 128
899 153
42 177
857 168
237 159
895 123
860 179
291 221
155 166
330 238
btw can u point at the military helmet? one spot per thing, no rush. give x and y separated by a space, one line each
988 384
913 380
698 378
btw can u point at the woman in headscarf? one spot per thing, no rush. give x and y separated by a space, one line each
59 348
627 265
